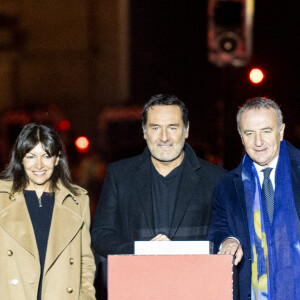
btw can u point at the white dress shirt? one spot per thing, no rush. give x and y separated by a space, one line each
260 174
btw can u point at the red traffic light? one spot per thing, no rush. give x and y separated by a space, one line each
82 144
256 75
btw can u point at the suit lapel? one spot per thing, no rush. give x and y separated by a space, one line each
188 182
143 188
64 226
15 220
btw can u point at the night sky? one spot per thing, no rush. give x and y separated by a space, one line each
169 55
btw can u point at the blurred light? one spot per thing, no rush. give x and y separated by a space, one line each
82 144
64 125
256 75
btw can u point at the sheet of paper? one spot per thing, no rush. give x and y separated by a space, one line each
173 247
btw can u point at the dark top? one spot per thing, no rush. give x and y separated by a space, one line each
164 194
41 217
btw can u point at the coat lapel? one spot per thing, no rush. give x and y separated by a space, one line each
64 226
143 188
15 220
188 182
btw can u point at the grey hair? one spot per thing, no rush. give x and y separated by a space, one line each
259 103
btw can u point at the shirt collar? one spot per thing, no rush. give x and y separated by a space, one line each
272 165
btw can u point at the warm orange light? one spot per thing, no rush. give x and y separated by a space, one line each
256 75
64 125
82 144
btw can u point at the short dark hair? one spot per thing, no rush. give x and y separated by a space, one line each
163 99
31 135
259 103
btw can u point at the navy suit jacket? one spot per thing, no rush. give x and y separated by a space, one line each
125 213
230 215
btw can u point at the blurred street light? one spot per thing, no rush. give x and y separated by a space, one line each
256 75
82 144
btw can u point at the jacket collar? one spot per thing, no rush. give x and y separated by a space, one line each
294 155
189 181
190 157
61 192
6 186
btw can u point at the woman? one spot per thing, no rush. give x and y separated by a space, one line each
45 249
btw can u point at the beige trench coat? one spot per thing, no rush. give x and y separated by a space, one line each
69 265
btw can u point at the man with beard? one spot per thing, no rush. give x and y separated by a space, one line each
163 194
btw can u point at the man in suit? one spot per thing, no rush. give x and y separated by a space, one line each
257 207
163 194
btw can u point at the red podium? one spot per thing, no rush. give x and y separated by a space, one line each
170 277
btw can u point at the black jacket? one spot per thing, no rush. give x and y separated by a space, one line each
125 213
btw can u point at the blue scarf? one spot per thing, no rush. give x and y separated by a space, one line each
275 247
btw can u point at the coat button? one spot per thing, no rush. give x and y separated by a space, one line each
71 261
10 253
14 281
69 290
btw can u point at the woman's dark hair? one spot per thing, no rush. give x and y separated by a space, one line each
31 135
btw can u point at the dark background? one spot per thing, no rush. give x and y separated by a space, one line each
169 55
76 76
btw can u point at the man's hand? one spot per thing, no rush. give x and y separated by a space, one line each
232 247
160 237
